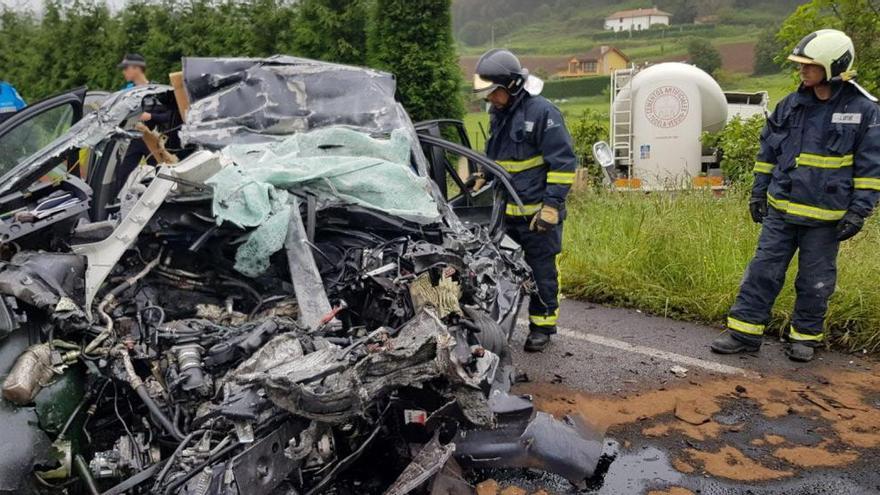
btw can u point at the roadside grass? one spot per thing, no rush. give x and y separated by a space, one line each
683 254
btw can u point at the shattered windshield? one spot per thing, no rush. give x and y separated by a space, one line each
248 100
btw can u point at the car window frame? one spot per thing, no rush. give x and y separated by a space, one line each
75 98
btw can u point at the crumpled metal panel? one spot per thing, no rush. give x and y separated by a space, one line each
326 385
260 100
570 448
91 130
427 463
43 279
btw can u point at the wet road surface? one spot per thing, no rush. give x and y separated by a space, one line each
747 424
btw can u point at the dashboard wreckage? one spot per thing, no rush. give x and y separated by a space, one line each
303 297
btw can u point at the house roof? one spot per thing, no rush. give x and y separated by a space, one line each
598 52
625 14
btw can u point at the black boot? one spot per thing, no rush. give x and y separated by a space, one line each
536 341
800 352
726 343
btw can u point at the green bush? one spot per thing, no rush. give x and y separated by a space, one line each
590 127
577 87
703 54
739 143
766 50
683 255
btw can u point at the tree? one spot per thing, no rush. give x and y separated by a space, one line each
412 39
766 50
332 30
683 11
474 34
860 19
702 54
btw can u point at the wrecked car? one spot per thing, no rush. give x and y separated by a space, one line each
303 297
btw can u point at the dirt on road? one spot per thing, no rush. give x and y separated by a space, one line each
739 430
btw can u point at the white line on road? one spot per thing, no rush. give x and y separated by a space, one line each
651 352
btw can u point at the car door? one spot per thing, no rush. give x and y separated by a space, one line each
34 127
446 145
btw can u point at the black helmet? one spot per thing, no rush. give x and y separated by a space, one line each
133 59
499 68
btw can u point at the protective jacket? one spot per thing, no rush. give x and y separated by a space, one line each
10 100
529 139
820 159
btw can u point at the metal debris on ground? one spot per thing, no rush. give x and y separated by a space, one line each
679 371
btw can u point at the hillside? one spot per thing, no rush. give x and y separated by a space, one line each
551 31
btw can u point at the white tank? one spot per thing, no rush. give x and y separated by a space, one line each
672 104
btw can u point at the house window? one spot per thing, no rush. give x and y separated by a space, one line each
590 67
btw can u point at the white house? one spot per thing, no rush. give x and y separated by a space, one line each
636 20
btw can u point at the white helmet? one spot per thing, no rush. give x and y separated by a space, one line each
829 48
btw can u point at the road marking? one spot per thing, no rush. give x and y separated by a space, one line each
651 352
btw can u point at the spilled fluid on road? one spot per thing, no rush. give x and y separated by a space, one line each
814 433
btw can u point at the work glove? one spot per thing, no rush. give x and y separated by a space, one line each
849 225
475 182
545 220
758 209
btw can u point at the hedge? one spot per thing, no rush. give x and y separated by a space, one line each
573 88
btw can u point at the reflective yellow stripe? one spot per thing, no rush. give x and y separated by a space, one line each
514 166
811 160
867 183
805 211
545 321
795 335
763 168
514 210
560 177
550 321
741 326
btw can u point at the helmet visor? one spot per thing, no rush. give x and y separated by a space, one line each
802 60
482 87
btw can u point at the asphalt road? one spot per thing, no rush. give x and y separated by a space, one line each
755 424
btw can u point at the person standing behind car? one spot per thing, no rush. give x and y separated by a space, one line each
529 139
134 70
10 100
817 179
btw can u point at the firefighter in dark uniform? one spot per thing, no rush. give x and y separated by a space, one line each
529 139
134 70
817 178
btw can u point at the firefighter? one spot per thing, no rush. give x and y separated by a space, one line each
817 178
529 139
134 70
10 100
